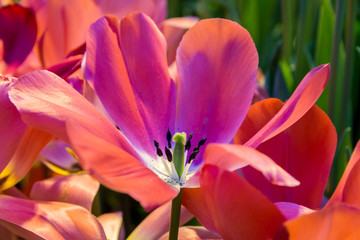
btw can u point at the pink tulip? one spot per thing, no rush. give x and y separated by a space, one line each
127 66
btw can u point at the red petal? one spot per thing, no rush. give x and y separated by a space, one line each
305 150
238 209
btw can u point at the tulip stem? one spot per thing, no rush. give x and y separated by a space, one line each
175 216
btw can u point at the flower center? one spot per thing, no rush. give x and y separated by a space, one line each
177 162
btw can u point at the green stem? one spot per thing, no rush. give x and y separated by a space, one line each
175 217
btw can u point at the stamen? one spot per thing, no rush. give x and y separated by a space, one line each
168 154
196 150
186 169
156 144
166 166
202 142
174 174
193 155
188 143
158 150
168 138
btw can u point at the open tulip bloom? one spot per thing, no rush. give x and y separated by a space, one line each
153 145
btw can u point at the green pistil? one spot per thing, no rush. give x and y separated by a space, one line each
179 152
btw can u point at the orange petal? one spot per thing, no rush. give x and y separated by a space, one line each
337 222
347 189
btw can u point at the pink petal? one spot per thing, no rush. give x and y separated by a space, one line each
26 153
113 226
12 127
48 220
76 189
292 210
157 223
238 209
117 169
347 188
305 150
46 102
216 63
298 104
232 157
18 33
138 93
192 233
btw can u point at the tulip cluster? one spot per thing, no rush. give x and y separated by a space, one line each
171 112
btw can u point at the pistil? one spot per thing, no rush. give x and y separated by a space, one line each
179 152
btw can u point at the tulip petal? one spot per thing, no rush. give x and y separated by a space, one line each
144 50
12 127
155 9
157 223
259 114
193 200
192 233
113 226
292 210
305 150
26 153
58 156
232 157
138 93
46 102
48 220
298 104
346 190
18 33
238 209
173 30
66 22
336 222
217 63
66 67
117 169
76 189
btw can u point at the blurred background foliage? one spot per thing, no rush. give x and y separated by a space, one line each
292 37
